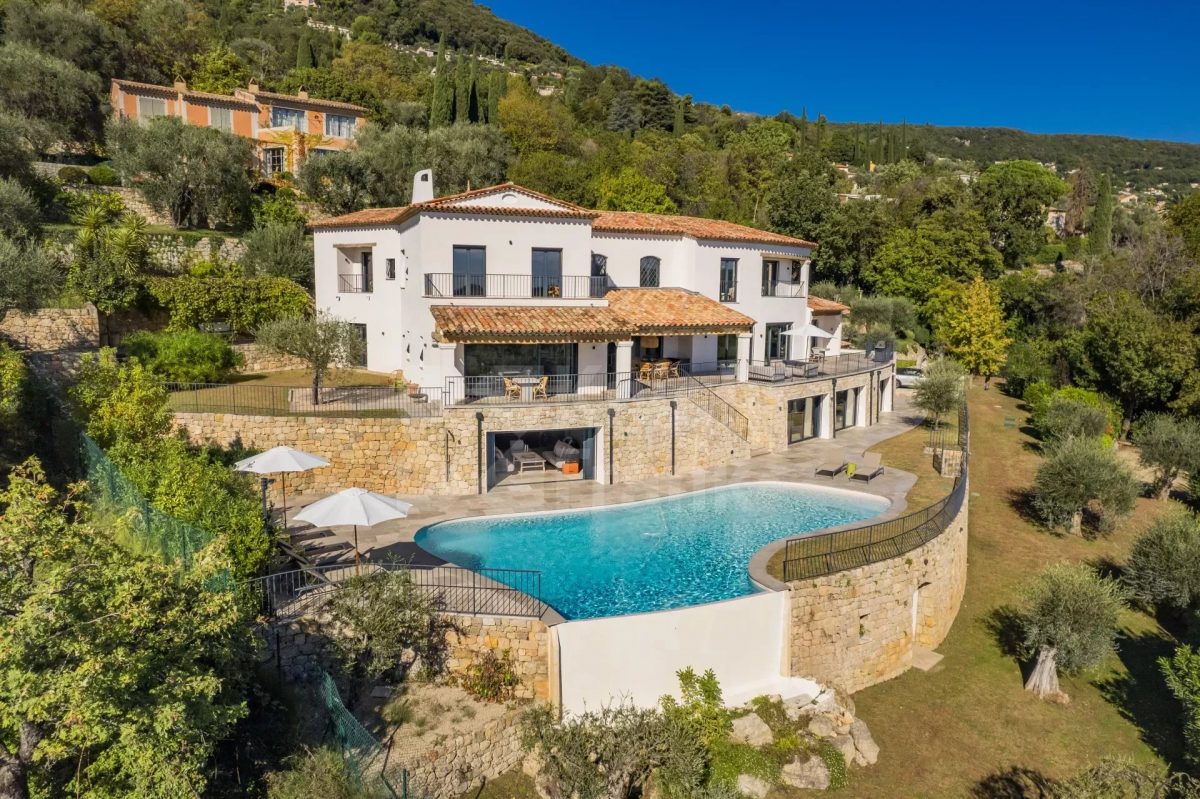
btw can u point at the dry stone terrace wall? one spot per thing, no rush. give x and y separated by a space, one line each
459 764
53 328
858 627
259 359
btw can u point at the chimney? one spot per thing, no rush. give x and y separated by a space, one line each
253 87
180 84
423 186
302 93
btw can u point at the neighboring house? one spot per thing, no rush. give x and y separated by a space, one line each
1056 219
505 281
287 129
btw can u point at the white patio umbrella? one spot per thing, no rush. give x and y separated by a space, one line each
808 332
280 460
356 507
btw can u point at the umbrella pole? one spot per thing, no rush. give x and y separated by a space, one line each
283 483
357 571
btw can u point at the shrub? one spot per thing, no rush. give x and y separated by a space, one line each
103 175
700 705
1027 363
1037 395
613 752
1170 446
73 176
1040 397
244 302
1083 476
1182 673
835 761
320 772
184 356
279 208
1067 418
390 623
1114 778
19 211
1163 569
491 677
279 249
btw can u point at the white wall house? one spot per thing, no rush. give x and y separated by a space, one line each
507 281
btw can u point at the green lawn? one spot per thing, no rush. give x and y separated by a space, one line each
266 394
943 732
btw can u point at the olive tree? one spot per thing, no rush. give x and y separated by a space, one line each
1081 476
30 274
322 341
1163 569
1067 418
942 389
1170 446
612 753
1069 624
280 250
1182 675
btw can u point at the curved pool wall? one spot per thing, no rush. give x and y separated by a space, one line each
652 555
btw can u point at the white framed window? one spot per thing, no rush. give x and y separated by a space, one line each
274 160
220 118
289 118
339 125
389 269
150 107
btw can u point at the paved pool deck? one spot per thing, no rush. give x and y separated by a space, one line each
797 464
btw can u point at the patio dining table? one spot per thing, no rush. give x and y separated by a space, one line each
527 383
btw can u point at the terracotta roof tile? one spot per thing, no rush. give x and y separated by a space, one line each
629 312
553 324
367 217
508 186
664 224
191 93
314 101
820 305
671 311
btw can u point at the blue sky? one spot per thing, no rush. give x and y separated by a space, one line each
1055 66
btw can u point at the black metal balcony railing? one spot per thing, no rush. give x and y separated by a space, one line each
779 288
355 284
516 287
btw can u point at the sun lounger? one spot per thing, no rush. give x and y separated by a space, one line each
832 468
869 468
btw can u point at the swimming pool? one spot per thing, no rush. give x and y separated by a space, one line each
651 555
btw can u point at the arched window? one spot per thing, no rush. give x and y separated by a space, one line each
648 275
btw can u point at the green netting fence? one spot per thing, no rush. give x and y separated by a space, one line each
365 756
120 505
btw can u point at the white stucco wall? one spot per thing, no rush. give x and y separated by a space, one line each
635 658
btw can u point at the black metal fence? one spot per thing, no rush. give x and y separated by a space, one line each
513 287
817 369
499 592
264 400
817 555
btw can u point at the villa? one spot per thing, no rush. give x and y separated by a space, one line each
542 331
286 129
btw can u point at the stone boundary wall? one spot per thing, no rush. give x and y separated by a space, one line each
259 359
51 329
856 628
303 647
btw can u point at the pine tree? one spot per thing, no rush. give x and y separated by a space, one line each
1100 235
305 56
441 112
973 330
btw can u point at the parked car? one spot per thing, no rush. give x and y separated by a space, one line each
909 377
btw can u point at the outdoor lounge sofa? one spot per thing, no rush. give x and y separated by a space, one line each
870 467
562 454
832 468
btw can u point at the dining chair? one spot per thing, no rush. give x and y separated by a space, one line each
539 391
511 389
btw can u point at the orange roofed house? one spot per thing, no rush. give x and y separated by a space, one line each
286 129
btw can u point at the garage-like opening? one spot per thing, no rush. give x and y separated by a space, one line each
523 457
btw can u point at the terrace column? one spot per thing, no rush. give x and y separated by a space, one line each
743 357
624 367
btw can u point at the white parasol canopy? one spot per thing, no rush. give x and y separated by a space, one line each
808 331
356 507
280 460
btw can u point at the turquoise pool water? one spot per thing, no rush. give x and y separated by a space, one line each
652 555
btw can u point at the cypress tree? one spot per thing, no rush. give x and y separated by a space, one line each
473 113
498 84
462 90
1100 234
305 57
803 128
441 111
820 131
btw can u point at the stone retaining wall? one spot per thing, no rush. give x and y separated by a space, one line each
858 627
454 767
302 648
51 329
259 359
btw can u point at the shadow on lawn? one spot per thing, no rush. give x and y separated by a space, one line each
1015 782
1141 695
1005 624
